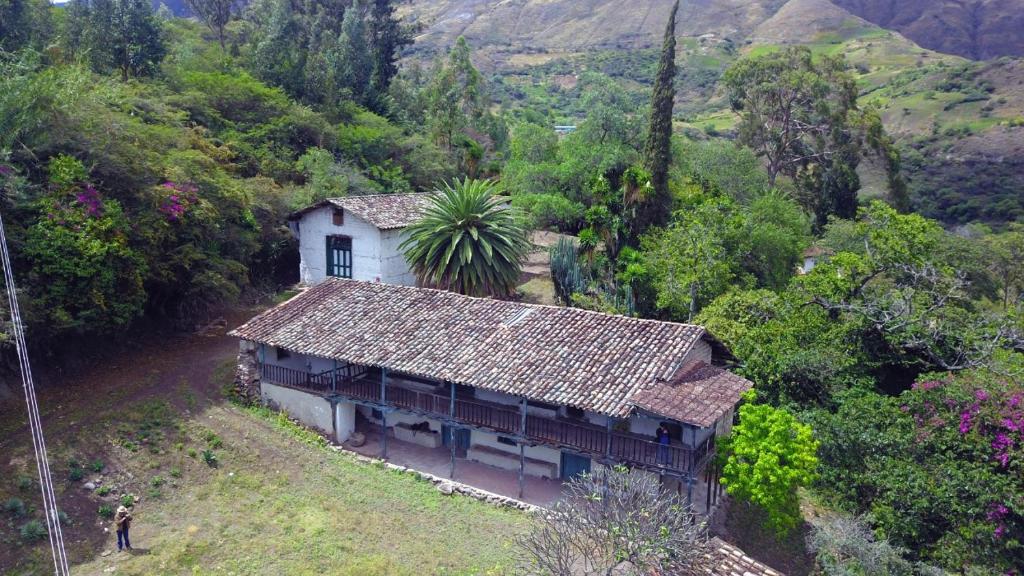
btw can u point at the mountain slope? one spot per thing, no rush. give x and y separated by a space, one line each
978 29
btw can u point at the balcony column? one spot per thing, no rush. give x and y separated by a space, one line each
334 378
522 444
384 413
451 429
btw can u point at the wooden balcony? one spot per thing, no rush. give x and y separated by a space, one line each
598 442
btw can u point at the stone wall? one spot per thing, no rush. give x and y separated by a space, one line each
247 373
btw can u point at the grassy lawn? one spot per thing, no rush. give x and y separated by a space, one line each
275 505
275 501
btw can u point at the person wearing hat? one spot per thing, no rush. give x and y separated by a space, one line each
122 521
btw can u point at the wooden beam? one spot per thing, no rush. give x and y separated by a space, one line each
522 444
384 412
451 430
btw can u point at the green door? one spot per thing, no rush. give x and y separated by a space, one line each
573 465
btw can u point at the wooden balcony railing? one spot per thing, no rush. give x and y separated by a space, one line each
576 435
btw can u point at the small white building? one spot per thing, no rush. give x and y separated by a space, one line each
356 237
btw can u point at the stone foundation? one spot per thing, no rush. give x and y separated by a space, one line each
247 374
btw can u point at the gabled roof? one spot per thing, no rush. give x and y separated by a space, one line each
697 394
385 211
569 356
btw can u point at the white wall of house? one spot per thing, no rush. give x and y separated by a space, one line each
375 254
394 268
542 453
344 421
310 409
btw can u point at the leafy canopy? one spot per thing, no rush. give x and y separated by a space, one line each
768 456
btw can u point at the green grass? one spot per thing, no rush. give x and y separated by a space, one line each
282 502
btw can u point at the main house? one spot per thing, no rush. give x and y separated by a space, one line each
540 390
356 237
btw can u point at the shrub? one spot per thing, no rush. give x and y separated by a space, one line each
76 474
213 440
846 545
32 531
103 490
15 507
97 466
210 458
127 500
63 518
106 511
156 481
550 211
191 452
24 483
175 472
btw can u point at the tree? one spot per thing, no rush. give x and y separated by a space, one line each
658 150
617 521
467 241
137 45
215 13
456 95
799 113
353 63
388 37
690 261
1006 262
778 231
891 278
767 457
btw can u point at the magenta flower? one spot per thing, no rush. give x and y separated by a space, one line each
965 422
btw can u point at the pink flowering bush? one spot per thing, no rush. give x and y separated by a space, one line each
975 422
179 198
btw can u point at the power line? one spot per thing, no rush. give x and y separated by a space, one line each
53 528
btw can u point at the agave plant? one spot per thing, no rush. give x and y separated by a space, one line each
468 241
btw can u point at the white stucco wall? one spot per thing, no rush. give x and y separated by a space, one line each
316 225
394 268
542 453
375 253
310 409
344 421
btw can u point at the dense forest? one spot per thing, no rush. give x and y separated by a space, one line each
148 164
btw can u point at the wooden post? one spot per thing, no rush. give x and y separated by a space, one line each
451 430
334 378
522 444
384 412
707 482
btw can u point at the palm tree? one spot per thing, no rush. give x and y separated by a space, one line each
468 241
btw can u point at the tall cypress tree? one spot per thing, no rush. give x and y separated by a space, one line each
658 150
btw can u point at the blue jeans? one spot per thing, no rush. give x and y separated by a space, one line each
123 534
663 457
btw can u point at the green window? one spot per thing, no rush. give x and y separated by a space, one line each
339 256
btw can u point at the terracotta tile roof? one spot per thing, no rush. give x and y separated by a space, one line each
385 211
731 561
568 356
697 394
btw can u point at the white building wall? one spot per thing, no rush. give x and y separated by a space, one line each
542 453
310 409
394 268
316 225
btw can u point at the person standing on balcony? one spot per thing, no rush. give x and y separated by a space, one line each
664 439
